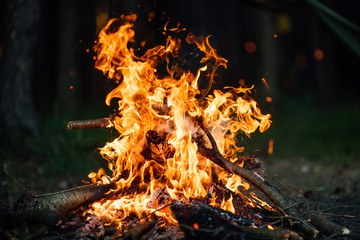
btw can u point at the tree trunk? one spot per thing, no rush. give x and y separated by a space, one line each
68 84
17 67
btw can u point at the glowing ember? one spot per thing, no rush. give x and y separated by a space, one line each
156 150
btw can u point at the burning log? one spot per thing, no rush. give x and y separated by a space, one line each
241 208
139 231
51 207
200 221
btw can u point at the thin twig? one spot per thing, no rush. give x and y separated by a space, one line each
289 187
17 182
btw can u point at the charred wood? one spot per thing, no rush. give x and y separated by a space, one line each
250 162
202 222
233 218
243 209
139 231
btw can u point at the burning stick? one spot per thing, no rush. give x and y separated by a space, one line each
92 123
273 194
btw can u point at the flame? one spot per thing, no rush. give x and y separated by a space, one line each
156 148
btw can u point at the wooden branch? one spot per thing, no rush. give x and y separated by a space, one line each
242 209
200 221
139 230
325 225
272 193
91 123
49 208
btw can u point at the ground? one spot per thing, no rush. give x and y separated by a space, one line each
331 189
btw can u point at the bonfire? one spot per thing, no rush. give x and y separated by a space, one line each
177 168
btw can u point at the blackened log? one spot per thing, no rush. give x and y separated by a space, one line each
250 162
139 230
50 208
200 222
231 217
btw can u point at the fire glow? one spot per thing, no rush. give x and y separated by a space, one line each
156 148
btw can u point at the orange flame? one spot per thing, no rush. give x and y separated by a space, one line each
156 147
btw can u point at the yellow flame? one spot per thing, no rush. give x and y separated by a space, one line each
155 115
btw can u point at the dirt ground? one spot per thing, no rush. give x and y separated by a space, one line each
333 190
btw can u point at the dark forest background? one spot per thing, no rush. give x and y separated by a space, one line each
47 75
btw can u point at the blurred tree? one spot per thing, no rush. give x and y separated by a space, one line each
17 110
68 86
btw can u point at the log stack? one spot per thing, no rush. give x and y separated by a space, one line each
196 219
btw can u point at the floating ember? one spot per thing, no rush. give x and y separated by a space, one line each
156 152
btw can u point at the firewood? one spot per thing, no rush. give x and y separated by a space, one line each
272 193
91 123
199 221
243 209
284 204
50 208
325 225
231 217
139 230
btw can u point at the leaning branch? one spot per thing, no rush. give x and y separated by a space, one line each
272 193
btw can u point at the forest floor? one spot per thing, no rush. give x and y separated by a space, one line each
332 189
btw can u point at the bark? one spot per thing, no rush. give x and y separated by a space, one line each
17 67
49 208
92 123
326 226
